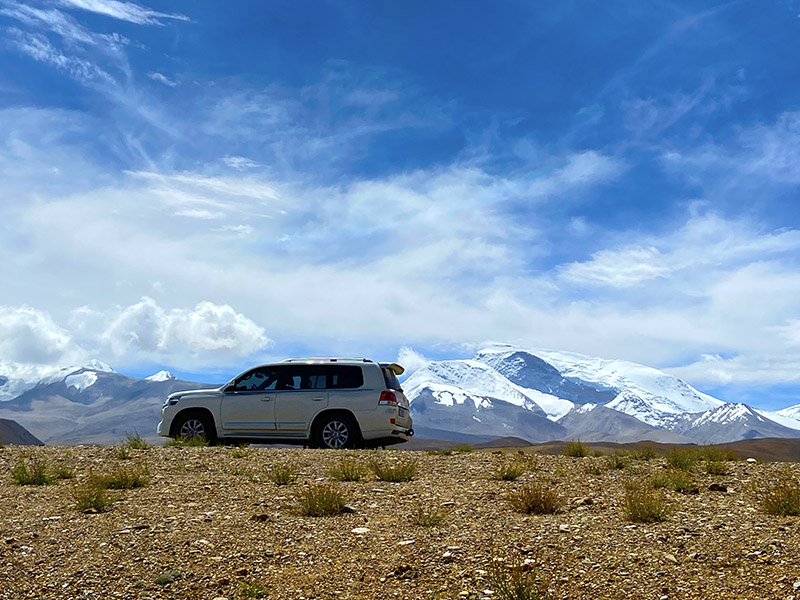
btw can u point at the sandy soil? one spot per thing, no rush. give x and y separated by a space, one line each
225 531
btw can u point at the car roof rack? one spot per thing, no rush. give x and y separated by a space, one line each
326 358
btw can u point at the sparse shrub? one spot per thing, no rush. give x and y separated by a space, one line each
783 498
62 471
126 478
122 452
135 442
464 448
399 471
683 458
193 442
348 469
643 504
240 452
618 460
428 517
596 453
320 500
535 498
576 448
715 453
33 472
168 577
252 590
646 453
93 496
283 474
446 452
508 471
673 479
716 467
594 468
518 585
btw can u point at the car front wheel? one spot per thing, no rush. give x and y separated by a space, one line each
195 425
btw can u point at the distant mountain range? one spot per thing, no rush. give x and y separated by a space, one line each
503 391
542 395
12 432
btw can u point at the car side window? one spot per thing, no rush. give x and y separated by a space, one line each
304 377
257 380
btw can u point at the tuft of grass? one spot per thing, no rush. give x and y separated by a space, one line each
168 577
673 479
283 474
618 460
428 517
783 497
135 442
93 496
464 448
320 500
576 448
715 453
31 472
534 498
252 590
126 478
181 442
348 469
716 467
62 471
240 451
122 452
446 452
594 469
518 585
402 470
643 504
646 453
508 472
683 458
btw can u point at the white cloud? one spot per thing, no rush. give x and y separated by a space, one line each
124 11
617 268
209 328
161 78
240 163
411 360
30 336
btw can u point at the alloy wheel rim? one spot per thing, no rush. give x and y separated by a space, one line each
335 434
192 428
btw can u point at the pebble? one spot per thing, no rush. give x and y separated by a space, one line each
360 530
405 542
563 527
752 460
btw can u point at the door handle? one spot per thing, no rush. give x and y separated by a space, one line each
318 399
266 399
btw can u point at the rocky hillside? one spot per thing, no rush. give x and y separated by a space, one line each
210 524
12 432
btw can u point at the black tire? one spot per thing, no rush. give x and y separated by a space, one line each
195 424
336 431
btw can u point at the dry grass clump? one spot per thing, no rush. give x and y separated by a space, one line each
93 496
283 474
618 460
348 469
126 478
192 442
715 453
577 449
535 499
445 452
673 479
716 467
252 590
783 497
464 448
646 453
428 517
518 585
134 441
394 471
683 458
168 577
320 500
508 472
31 471
240 451
643 504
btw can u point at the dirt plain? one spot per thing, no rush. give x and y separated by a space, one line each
216 526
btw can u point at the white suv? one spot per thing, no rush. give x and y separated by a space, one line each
322 402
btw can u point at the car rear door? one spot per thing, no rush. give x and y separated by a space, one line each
302 393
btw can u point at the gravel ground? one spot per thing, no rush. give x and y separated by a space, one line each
218 528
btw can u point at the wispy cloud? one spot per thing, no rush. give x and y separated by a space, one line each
161 78
124 11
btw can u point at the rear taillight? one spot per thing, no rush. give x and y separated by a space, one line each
387 397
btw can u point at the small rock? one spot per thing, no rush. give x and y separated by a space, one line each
796 585
563 527
752 460
348 508
405 542
360 530
241 572
671 558
718 487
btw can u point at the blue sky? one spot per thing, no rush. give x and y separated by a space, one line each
200 186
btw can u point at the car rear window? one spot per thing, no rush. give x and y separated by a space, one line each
344 377
391 380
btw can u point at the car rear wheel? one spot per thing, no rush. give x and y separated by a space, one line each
336 431
195 425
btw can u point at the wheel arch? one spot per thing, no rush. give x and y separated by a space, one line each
191 409
334 411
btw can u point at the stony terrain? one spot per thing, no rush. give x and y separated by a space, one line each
211 525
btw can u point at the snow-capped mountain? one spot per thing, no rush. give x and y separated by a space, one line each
591 398
91 404
788 417
16 379
161 376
